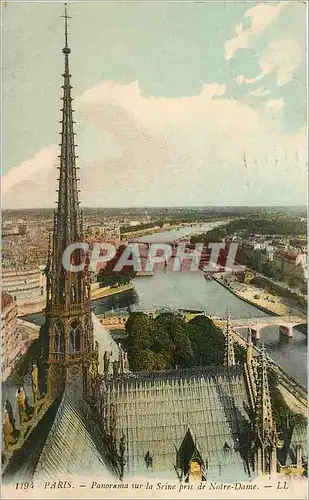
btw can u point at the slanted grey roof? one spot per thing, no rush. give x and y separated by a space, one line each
299 438
73 447
155 412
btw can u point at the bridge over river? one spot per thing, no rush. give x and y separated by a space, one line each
285 323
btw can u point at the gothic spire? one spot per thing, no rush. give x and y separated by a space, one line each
68 217
68 211
229 354
67 335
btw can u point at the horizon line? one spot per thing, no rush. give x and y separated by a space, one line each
120 207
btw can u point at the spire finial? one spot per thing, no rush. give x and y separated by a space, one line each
66 49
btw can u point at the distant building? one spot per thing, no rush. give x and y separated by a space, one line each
270 251
11 341
23 283
135 222
293 263
22 228
9 229
105 232
293 258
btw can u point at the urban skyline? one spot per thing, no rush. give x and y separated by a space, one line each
188 115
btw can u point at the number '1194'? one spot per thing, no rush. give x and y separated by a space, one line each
24 486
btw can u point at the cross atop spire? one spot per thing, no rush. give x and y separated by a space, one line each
66 49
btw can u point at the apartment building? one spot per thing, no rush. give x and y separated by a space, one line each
23 283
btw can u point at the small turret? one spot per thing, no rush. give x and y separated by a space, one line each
249 346
229 354
265 435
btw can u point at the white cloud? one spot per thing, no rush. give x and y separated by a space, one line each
149 110
169 151
283 54
240 79
238 29
275 104
31 182
262 16
260 92
282 57
32 167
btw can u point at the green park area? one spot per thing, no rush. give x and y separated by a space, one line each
168 341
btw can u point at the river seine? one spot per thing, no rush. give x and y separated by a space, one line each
190 290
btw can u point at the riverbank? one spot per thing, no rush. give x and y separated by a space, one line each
189 229
150 230
266 302
273 303
100 293
37 305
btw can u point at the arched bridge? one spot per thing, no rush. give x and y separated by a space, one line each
285 323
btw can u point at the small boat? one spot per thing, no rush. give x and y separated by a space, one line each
207 277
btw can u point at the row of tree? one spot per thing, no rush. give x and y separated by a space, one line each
168 341
255 224
142 225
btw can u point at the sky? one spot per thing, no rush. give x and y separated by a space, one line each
176 103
